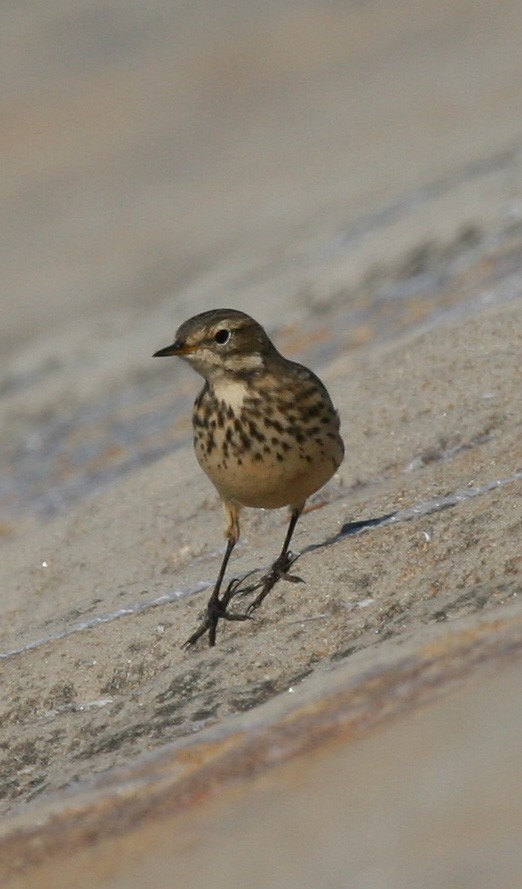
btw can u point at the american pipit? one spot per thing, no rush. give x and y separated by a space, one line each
265 432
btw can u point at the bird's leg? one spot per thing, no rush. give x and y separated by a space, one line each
217 607
279 570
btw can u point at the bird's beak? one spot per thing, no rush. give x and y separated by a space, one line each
175 349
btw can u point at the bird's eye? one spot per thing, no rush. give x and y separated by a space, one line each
222 336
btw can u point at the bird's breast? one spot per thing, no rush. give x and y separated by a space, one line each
265 452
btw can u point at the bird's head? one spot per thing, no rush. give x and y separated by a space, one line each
222 342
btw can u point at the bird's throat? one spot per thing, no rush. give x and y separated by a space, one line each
232 392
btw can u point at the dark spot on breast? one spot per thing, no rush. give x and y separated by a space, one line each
253 403
279 457
274 424
313 411
255 432
258 456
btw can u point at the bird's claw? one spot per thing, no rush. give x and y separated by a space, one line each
216 611
278 571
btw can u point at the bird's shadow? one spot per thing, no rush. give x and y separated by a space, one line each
350 529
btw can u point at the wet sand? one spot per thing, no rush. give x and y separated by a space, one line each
355 183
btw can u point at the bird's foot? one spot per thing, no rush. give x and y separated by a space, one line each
278 571
216 611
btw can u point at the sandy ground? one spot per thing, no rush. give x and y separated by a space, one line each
355 183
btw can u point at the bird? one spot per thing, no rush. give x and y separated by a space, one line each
265 433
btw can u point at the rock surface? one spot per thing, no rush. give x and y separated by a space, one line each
355 182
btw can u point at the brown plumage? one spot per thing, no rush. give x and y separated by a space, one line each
265 432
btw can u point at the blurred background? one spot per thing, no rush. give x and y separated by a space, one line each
163 158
